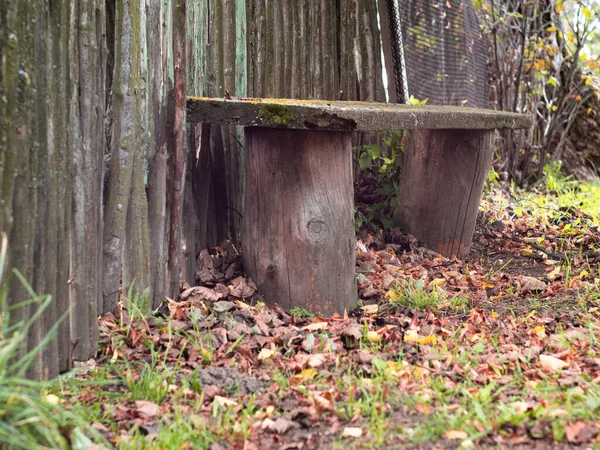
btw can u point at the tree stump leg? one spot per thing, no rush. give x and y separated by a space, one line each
298 228
441 187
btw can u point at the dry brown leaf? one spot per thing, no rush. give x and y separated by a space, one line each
242 288
198 293
455 434
146 409
279 425
316 326
581 432
531 284
353 331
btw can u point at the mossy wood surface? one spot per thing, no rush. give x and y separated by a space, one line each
341 115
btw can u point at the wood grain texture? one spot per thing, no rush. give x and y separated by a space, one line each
298 227
441 186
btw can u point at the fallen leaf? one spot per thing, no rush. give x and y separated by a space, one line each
224 401
317 360
307 374
242 288
266 353
580 432
370 309
373 336
552 363
455 434
554 274
353 331
413 336
146 409
392 295
521 407
198 293
353 432
315 326
531 284
279 425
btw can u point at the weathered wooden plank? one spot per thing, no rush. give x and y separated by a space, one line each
19 176
135 257
298 221
441 186
335 115
176 146
158 58
88 61
125 140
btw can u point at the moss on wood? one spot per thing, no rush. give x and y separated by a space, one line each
275 115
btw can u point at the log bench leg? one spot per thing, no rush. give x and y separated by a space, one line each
298 226
441 187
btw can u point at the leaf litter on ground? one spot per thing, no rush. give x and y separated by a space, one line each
499 349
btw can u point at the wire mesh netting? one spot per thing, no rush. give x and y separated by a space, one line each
438 52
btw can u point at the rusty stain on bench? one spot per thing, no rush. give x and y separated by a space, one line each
298 225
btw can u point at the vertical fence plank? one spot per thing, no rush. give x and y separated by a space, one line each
177 144
157 157
126 123
88 65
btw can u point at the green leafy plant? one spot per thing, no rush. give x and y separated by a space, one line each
300 312
416 102
382 164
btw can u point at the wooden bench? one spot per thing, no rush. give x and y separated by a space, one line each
298 237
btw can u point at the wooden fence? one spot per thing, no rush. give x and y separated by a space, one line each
101 184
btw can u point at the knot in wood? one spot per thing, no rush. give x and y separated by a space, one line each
271 269
317 228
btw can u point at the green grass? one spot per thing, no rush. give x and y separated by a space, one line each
30 415
413 294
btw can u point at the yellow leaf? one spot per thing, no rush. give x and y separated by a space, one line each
438 282
586 12
583 274
552 275
392 295
373 336
526 252
413 336
308 374
428 340
540 331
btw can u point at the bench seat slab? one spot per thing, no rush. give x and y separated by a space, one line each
441 187
298 226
